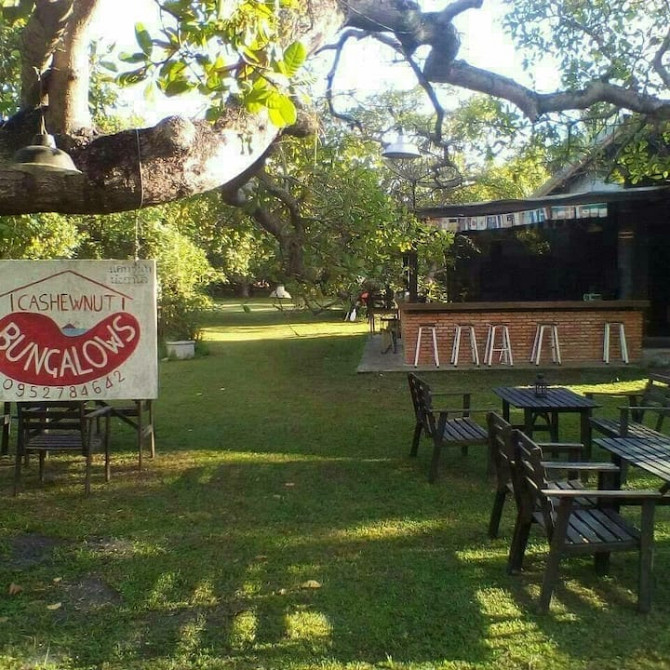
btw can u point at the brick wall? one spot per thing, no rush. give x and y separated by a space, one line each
580 334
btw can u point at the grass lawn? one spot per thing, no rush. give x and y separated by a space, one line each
282 525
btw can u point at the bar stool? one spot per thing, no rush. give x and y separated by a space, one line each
469 329
537 343
504 348
623 347
433 329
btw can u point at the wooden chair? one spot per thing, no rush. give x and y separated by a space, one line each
501 455
570 529
446 427
643 416
67 427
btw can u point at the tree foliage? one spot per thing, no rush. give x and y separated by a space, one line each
224 51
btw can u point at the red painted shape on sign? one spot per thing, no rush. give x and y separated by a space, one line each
34 350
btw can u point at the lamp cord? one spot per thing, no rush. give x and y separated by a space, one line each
137 212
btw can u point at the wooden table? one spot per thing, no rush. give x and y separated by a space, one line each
6 420
650 454
557 401
139 415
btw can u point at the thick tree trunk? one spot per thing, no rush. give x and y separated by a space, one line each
69 76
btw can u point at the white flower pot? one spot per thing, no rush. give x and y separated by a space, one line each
180 349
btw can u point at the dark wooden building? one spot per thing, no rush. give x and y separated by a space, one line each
565 245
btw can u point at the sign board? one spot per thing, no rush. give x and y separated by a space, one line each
78 330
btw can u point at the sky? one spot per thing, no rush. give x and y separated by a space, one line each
483 44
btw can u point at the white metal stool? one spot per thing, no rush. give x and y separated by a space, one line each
469 329
623 347
504 348
537 343
433 329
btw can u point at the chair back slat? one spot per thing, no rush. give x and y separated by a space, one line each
66 416
500 446
656 395
422 400
531 478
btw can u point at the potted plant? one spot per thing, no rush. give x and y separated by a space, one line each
179 324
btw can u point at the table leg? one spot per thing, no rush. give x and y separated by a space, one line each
6 427
585 431
506 410
553 426
528 422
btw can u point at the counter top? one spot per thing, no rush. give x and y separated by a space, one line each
567 305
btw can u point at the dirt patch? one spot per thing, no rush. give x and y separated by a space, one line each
110 546
31 549
90 593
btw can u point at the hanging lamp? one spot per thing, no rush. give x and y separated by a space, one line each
400 148
43 155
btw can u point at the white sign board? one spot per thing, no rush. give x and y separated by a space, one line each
78 330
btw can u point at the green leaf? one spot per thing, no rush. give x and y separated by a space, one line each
137 57
132 77
177 87
109 65
281 110
172 69
143 38
212 114
150 92
294 56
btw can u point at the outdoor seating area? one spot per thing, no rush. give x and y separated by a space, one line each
336 523
335 335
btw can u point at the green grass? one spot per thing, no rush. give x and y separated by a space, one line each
282 525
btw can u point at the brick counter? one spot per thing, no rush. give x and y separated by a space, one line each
580 329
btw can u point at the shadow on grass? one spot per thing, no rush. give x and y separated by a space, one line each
283 525
350 559
226 562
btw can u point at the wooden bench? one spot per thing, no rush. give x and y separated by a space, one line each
446 427
644 415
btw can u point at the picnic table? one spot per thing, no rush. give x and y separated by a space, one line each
557 401
649 454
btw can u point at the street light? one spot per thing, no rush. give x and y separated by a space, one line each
400 154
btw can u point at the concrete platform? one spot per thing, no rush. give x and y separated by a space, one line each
373 360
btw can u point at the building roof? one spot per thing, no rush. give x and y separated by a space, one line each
648 193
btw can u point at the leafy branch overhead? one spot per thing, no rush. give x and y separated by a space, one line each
227 56
246 58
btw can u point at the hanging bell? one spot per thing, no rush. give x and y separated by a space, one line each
43 156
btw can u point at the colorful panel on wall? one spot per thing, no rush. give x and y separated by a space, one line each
529 217
78 330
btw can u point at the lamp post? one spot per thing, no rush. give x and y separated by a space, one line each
400 154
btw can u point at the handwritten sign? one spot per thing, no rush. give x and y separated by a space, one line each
78 330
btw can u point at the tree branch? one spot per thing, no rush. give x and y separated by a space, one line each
344 37
42 33
458 7
533 104
657 63
178 158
